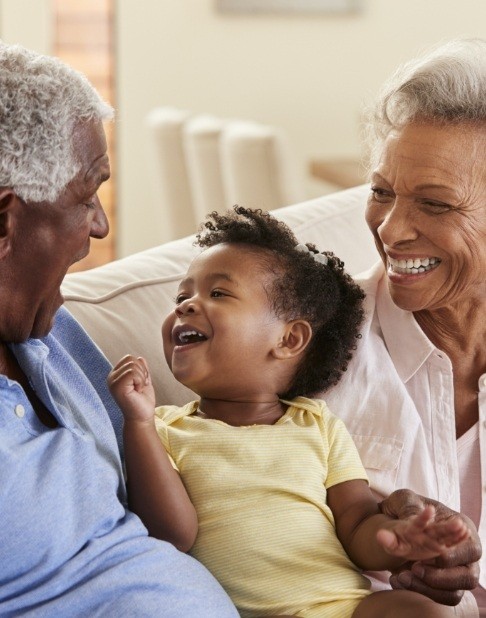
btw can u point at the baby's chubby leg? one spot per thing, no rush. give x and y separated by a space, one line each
400 604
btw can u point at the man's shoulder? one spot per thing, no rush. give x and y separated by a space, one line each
69 339
68 333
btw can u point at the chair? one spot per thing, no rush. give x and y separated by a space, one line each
202 148
176 215
206 163
259 170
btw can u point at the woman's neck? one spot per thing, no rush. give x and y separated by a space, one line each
462 336
240 412
456 331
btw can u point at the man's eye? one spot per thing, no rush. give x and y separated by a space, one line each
379 195
90 205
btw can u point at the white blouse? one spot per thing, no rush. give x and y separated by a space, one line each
397 400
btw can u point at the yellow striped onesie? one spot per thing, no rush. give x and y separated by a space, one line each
265 531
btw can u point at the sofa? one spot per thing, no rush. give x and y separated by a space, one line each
122 304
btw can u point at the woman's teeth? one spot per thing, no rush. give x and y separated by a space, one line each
413 267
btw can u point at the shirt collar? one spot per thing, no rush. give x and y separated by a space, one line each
406 342
314 406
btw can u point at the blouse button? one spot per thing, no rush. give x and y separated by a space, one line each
19 410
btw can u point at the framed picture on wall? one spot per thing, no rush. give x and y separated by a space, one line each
289 6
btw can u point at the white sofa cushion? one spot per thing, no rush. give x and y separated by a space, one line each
122 304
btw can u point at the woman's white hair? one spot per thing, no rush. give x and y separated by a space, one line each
41 101
447 85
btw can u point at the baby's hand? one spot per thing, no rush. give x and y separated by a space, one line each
420 537
130 384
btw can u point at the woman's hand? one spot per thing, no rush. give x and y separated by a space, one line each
422 536
444 578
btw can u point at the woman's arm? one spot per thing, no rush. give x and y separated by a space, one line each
155 489
375 541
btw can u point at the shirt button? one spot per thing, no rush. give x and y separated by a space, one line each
19 410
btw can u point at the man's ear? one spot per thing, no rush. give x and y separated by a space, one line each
295 339
8 199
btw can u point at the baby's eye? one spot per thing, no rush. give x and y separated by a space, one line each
217 294
180 298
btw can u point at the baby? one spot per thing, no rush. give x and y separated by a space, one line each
260 483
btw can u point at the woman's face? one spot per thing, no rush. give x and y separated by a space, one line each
427 212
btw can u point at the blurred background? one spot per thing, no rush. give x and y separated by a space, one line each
308 73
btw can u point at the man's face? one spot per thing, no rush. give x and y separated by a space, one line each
51 236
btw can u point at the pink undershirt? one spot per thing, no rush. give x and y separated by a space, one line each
468 457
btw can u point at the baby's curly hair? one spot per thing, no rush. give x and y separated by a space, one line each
302 288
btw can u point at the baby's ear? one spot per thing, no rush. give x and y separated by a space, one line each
294 341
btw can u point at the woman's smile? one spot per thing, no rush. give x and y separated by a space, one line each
412 266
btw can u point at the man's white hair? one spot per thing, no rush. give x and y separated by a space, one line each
41 101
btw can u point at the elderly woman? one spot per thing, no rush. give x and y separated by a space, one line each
68 544
414 396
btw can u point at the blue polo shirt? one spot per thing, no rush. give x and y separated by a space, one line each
68 545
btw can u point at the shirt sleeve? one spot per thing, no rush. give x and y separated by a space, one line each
344 463
162 430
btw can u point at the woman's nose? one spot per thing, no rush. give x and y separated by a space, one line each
99 224
397 226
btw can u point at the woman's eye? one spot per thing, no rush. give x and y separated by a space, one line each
436 206
217 294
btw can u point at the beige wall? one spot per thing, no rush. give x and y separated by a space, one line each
26 22
309 75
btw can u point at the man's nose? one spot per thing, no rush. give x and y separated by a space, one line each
99 224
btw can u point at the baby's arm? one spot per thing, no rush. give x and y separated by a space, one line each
376 542
155 490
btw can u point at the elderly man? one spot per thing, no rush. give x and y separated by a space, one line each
69 546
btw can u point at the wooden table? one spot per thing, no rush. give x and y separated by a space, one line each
344 173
